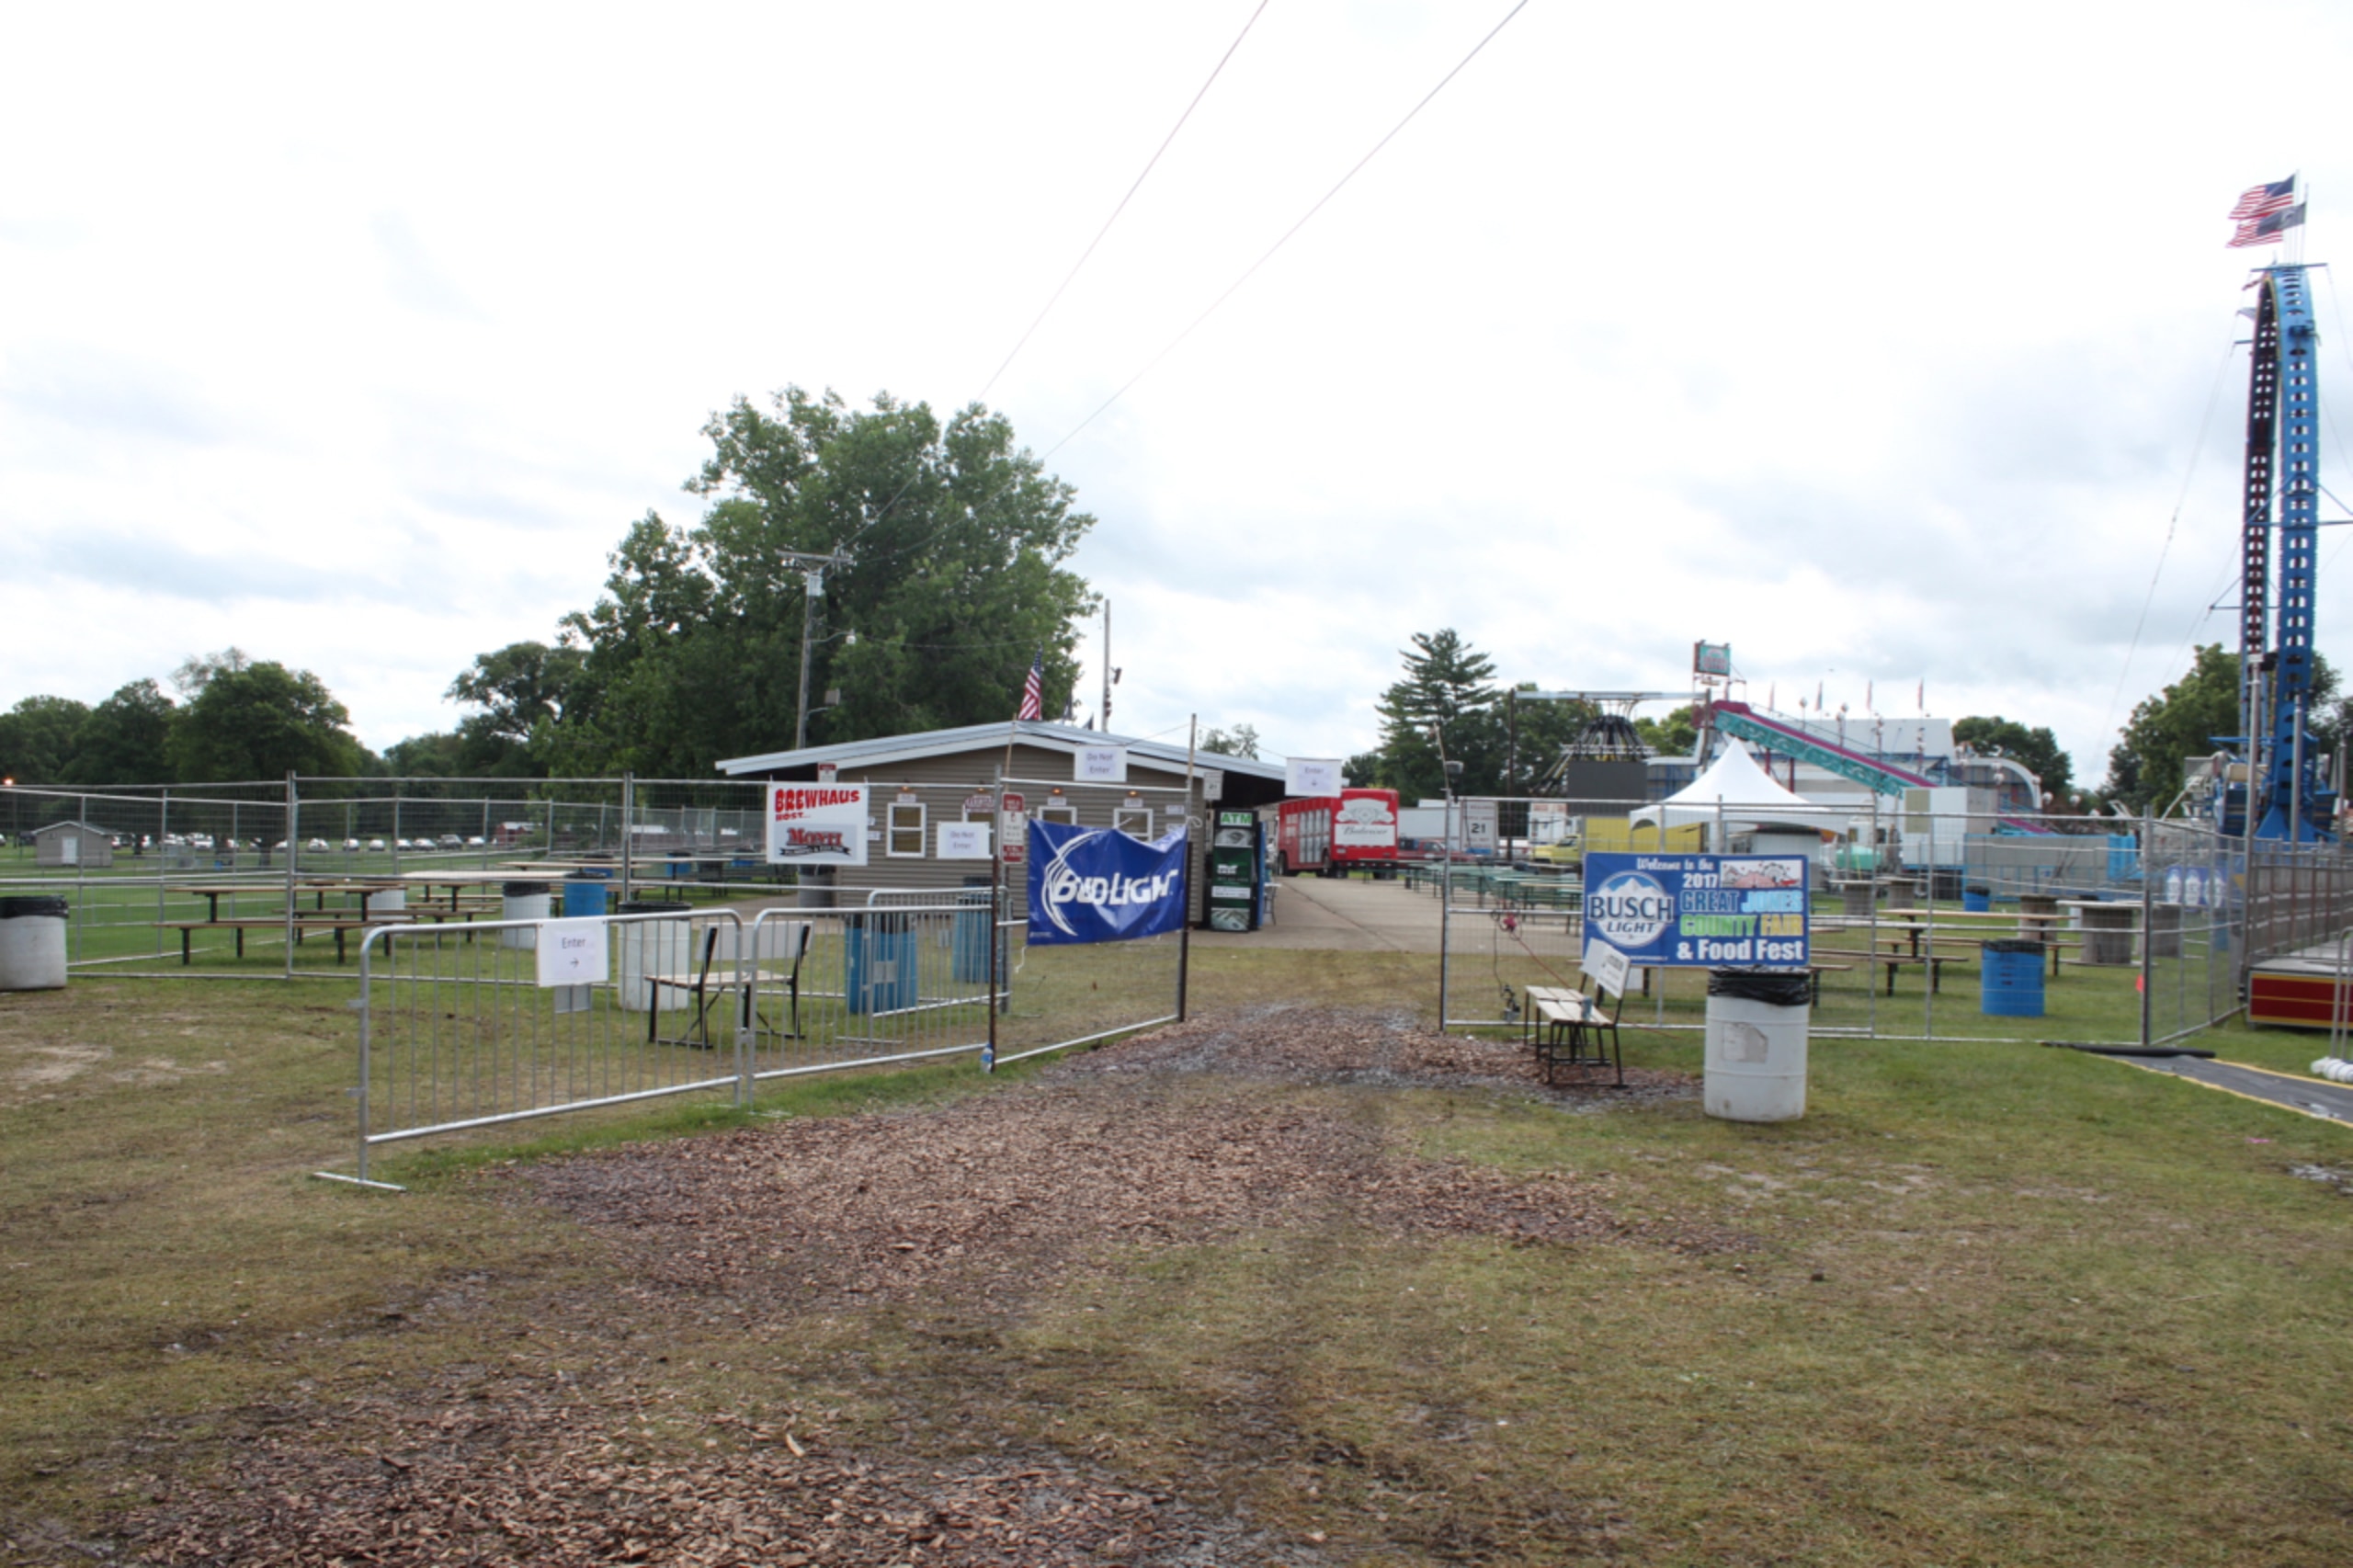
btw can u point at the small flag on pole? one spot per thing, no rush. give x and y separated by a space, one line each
2271 230
1033 690
2264 200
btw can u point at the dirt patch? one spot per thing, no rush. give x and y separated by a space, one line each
524 1473
1172 1139
1304 1045
974 1209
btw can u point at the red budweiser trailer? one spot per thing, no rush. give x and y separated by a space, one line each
1329 834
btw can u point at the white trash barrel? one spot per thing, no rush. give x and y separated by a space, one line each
655 947
32 944
522 901
1756 1043
386 902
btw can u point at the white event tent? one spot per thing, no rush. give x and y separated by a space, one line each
1736 791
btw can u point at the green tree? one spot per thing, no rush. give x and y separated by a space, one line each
1241 741
2037 750
523 690
262 721
37 739
127 738
2144 768
1447 687
1673 736
950 541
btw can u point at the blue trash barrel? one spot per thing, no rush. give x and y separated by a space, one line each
1977 900
584 894
970 940
880 952
2010 979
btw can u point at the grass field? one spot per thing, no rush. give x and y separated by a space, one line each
1987 1302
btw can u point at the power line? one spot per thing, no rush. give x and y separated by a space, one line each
1122 207
2206 423
1252 269
1150 162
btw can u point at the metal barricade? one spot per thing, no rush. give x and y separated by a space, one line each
821 989
456 1031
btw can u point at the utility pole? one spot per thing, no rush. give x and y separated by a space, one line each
812 583
1108 675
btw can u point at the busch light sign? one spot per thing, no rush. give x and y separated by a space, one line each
1698 911
1095 884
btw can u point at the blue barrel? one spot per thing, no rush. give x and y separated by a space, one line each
880 952
1976 901
583 895
970 940
2010 979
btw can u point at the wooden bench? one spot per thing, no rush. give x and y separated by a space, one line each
1564 1027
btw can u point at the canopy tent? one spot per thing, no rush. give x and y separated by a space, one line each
1737 789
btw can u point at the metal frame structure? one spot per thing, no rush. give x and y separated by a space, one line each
2276 631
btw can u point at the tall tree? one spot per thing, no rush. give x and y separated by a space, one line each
2037 750
1447 687
127 738
2145 767
261 722
37 739
523 692
951 542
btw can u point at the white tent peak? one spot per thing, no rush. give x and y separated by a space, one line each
1744 792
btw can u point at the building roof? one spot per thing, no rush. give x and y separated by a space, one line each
83 826
884 750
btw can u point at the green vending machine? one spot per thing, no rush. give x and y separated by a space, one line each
1236 872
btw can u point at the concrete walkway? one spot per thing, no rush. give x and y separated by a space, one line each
1341 916
2307 1096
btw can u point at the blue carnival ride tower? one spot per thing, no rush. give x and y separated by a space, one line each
2288 802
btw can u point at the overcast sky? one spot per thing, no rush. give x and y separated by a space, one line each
1877 341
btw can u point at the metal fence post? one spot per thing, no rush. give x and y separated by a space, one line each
1445 909
629 824
294 818
2148 919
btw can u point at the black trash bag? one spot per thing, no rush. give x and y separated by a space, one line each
522 889
2012 945
32 908
1759 985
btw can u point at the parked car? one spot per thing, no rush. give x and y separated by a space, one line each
375 843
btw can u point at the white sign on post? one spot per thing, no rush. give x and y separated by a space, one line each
573 952
1100 765
1306 776
963 841
1607 966
817 824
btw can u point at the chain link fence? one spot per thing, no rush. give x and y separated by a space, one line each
2140 930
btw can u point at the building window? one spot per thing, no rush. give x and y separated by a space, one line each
1061 812
1133 820
906 833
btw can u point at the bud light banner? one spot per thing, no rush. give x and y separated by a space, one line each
1095 884
1698 911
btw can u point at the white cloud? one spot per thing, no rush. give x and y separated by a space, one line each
1876 341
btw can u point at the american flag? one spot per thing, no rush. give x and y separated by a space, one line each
2270 230
1033 690
2265 199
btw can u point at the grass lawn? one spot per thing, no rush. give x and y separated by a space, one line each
1986 1303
